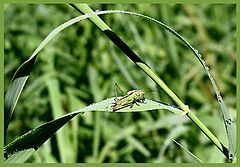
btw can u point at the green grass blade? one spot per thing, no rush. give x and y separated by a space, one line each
95 19
63 135
11 98
44 43
198 159
22 73
20 156
118 42
174 133
35 138
228 121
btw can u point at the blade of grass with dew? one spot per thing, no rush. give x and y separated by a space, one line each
21 75
35 138
140 64
228 121
136 59
20 156
83 8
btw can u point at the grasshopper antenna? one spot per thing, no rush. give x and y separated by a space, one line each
118 87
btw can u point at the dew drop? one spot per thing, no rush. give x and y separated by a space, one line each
231 156
207 68
229 121
196 51
36 148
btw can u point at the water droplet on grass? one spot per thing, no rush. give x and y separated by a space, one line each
196 51
231 156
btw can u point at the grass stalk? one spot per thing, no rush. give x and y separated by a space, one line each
84 8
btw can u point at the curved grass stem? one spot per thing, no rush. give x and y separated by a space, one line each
83 8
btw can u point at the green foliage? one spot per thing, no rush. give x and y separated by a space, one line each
84 66
35 138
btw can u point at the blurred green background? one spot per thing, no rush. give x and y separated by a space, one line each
80 66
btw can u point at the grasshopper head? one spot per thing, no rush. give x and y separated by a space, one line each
141 94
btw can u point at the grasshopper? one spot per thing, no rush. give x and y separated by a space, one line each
132 97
